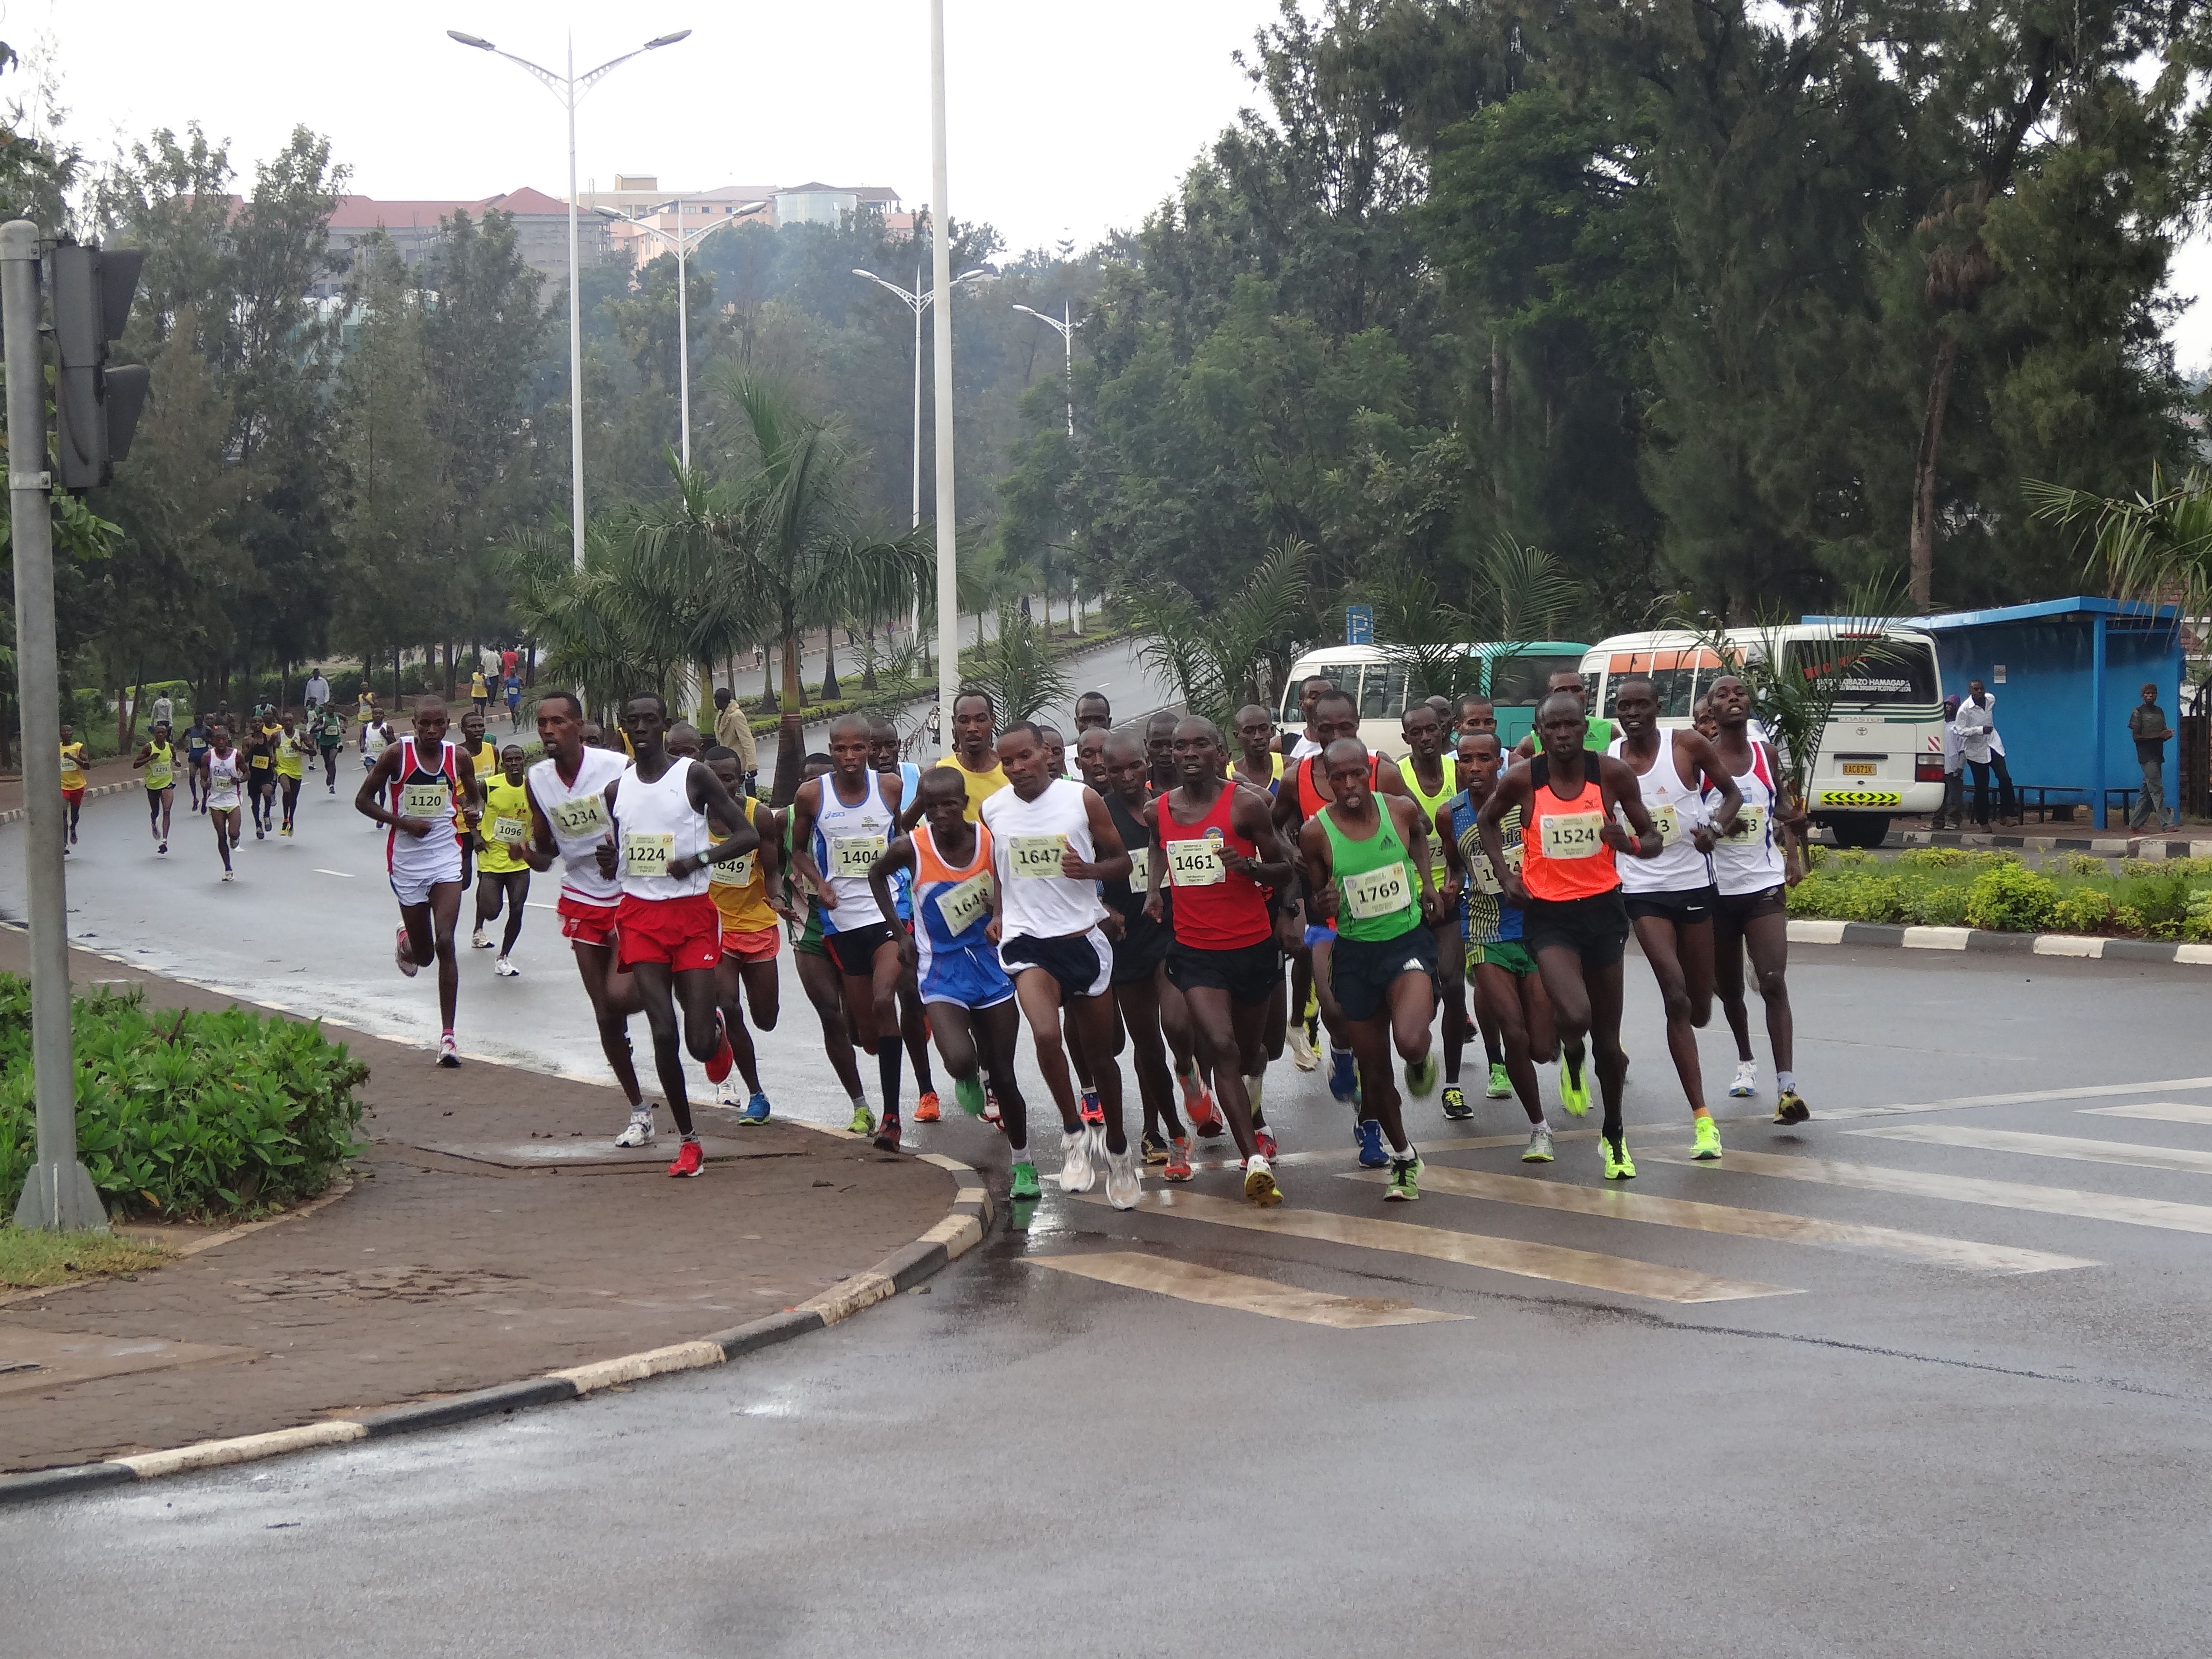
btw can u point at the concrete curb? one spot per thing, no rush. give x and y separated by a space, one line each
963 1228
1805 931
93 792
2102 845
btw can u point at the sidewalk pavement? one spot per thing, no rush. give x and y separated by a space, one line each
491 1233
2182 840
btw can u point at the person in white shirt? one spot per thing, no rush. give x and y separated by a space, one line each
1953 812
2008 802
1976 727
317 694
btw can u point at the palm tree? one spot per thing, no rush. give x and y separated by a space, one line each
2156 547
1020 669
795 543
1518 594
680 590
1233 653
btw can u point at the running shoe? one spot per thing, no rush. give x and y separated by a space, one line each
725 1094
1125 1182
690 1158
403 953
925 1108
1574 1088
286 830
1539 1148
1371 1155
1205 1115
863 1121
1091 1111
1618 1166
638 1131
1343 1080
449 1052
1212 1128
228 876
259 833
1178 1164
478 942
1264 1139
755 1109
1421 1076
724 1057
1259 1183
1301 1045
887 1135
1790 1107
163 847
1025 1189
1154 1149
991 1108
1456 1106
968 1091
1193 1090
1746 1080
1405 1185
505 970
1501 1085
1075 1171
1706 1144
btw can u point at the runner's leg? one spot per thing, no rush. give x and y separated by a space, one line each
1659 936
1378 1086
1214 1024
517 883
729 976
824 986
1728 981
595 965
1138 1004
1102 1039
1497 999
1767 938
1038 994
445 914
881 989
764 990
226 824
657 995
1605 997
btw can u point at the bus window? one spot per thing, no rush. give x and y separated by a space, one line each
1894 674
1519 681
1677 690
1382 692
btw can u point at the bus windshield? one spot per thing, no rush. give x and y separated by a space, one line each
1519 680
1873 673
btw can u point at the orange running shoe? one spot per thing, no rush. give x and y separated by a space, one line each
925 1109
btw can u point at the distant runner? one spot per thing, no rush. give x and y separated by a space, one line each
159 758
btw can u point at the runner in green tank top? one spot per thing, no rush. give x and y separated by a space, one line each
1431 774
1366 858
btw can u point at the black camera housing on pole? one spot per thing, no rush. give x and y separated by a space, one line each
96 407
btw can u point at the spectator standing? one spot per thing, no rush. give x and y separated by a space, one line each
1976 726
164 711
2008 803
734 732
2147 725
318 692
1953 812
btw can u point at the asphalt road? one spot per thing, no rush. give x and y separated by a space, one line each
1926 1380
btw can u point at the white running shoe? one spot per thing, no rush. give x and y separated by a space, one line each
478 942
1302 1049
505 970
227 875
404 955
728 1093
449 1052
1076 1174
638 1131
1124 1182
1747 1079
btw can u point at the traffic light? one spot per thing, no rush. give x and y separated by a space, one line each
96 407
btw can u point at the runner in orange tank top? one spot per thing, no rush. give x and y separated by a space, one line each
1573 802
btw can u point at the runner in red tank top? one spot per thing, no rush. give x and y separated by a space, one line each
1572 801
1214 843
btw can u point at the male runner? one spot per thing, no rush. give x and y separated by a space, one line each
1055 750
1597 734
159 759
1432 778
913 1024
972 1013
222 780
196 749
841 824
974 719
514 703
1311 741
569 821
259 744
1568 891
479 691
484 754
1093 712
502 873
424 776
1508 992
1367 864
1670 898
1140 940
72 779
1159 749
668 933
818 975
1052 840
742 889
1752 913
1474 713
329 737
1258 762
289 750
1214 843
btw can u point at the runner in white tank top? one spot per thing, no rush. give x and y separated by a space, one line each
1753 913
412 788
668 933
223 774
1669 898
1052 841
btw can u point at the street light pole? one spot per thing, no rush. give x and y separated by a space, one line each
682 242
1066 325
569 89
940 242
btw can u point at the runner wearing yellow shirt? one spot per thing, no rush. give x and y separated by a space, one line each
504 878
751 938
479 692
975 731
159 759
484 754
72 780
290 752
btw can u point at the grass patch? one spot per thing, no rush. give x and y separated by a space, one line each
1961 887
33 1261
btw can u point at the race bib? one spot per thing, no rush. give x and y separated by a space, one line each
421 800
1140 868
965 903
586 815
851 855
1034 858
158 775
1668 824
732 872
646 855
1572 834
1382 892
1750 823
1195 863
511 832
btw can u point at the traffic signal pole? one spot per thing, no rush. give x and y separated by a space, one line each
58 1193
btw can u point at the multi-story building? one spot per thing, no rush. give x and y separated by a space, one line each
541 228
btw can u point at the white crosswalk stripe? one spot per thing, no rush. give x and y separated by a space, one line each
2036 1146
1190 1281
2157 1111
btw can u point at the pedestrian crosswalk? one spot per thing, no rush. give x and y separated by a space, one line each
1467 1216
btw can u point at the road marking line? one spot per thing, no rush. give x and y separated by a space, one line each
1965 1189
1187 1281
343 875
2035 1146
2019 1097
535 905
1507 1256
2160 1111
1624 1205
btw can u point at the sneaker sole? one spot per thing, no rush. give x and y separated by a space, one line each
1537 1158
1795 1115
1711 1155
1259 1187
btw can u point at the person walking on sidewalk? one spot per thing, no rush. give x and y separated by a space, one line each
668 930
2147 725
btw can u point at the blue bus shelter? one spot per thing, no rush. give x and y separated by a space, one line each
2063 675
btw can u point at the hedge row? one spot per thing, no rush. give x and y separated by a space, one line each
1959 887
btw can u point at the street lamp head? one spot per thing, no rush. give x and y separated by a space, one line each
1038 315
475 40
668 40
980 270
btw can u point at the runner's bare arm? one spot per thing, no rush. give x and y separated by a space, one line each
1454 866
142 757
1249 817
1512 790
1700 749
1113 862
541 850
899 855
805 806
604 852
1389 781
1412 827
369 801
711 796
771 862
1314 866
1619 792
471 795
1155 865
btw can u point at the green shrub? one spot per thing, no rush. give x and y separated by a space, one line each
2081 910
185 1114
2129 921
2076 864
2011 898
1937 905
1953 858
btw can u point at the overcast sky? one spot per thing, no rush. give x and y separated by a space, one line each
1065 120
